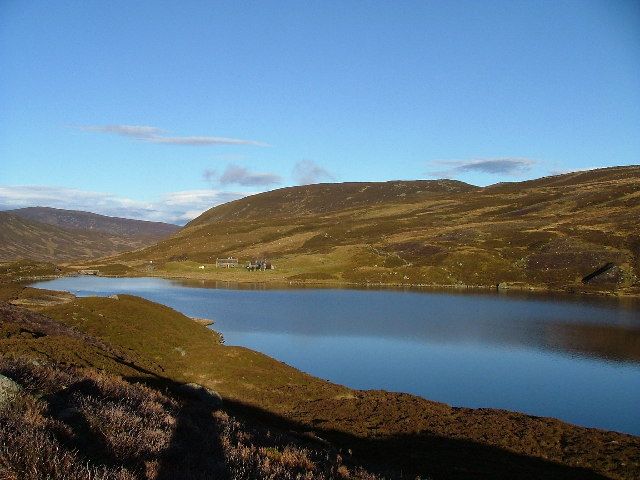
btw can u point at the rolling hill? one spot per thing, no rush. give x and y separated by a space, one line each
79 220
552 232
49 234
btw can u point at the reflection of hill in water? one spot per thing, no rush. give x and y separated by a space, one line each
599 328
588 327
610 342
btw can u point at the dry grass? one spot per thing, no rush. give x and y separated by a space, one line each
79 423
547 233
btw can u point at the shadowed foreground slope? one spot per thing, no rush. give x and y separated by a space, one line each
577 231
83 412
101 348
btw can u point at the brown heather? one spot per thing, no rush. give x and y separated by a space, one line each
548 233
103 398
79 423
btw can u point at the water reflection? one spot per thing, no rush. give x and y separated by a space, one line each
573 358
598 327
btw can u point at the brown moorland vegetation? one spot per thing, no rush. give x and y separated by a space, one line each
83 423
49 234
86 359
84 221
549 233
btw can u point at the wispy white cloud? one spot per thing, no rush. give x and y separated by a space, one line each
504 166
205 141
175 207
188 204
307 172
135 131
157 135
235 174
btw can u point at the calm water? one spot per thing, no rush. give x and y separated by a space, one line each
577 359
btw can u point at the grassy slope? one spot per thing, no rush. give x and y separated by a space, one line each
187 351
22 238
83 414
402 430
546 233
138 339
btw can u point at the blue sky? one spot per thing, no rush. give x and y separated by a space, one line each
159 110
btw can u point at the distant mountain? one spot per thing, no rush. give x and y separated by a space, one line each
64 235
79 220
552 232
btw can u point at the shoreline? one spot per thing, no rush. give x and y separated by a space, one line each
372 419
207 322
569 291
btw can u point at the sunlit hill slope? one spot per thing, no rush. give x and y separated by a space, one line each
555 232
52 234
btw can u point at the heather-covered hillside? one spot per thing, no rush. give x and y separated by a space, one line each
553 232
